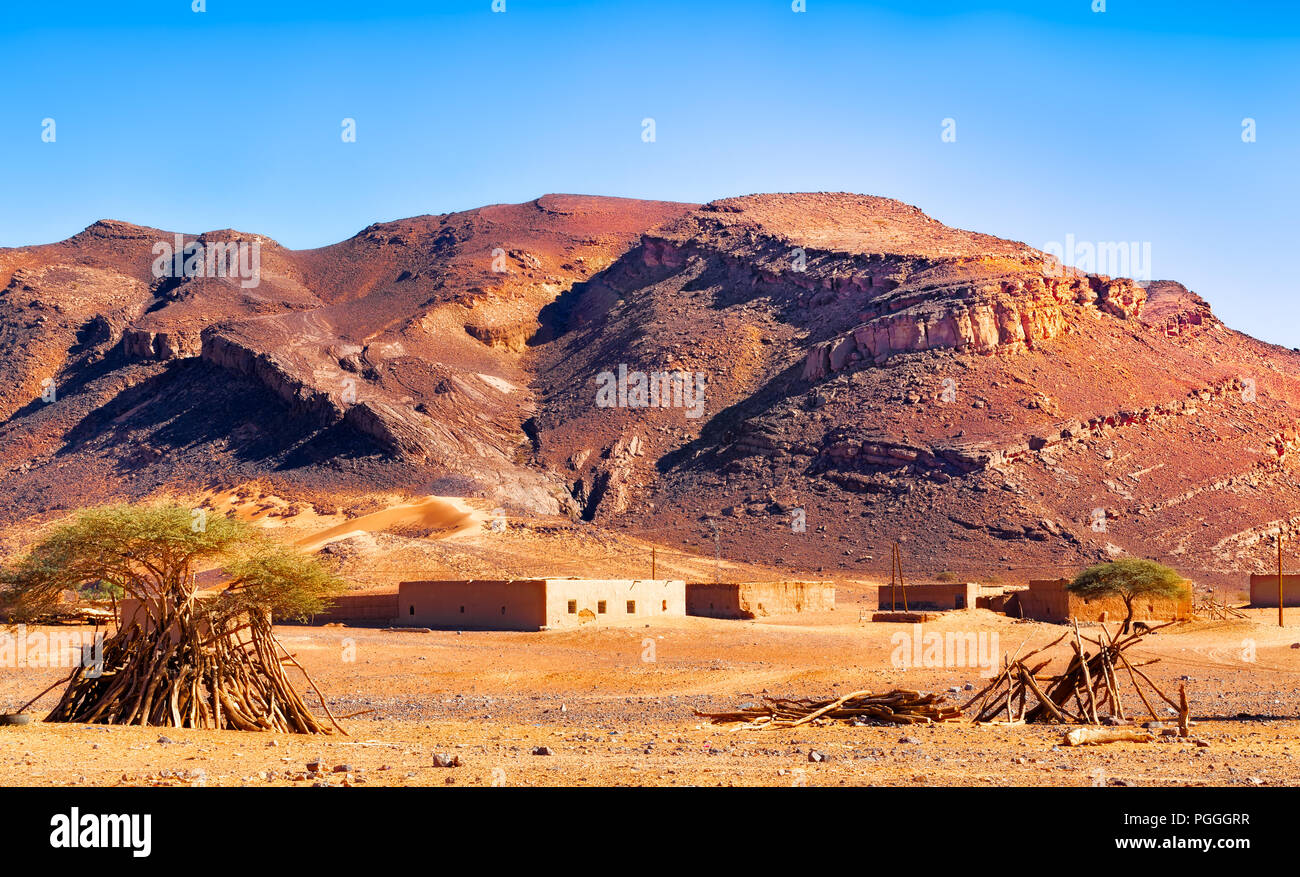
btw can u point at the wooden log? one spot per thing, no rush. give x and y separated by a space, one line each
1183 712
1093 736
1087 677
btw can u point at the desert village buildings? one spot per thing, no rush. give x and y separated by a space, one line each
547 603
1047 600
536 604
758 599
1043 600
560 602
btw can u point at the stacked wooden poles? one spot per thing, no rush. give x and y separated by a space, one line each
172 665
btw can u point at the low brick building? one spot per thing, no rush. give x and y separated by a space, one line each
536 604
367 608
1048 600
1263 591
758 599
930 596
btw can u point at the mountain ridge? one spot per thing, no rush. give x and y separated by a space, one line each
865 364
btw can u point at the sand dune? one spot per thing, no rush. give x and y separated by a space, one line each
447 513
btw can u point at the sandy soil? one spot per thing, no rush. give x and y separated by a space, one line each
614 705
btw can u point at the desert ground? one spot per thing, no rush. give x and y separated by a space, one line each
614 705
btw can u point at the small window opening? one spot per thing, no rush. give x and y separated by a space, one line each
631 607
573 607
600 607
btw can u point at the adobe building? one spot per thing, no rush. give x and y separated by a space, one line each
929 596
1263 591
364 609
996 598
536 604
1047 600
133 611
758 599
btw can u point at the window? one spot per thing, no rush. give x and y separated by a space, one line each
600 607
462 610
412 608
665 606
631 607
503 610
573 607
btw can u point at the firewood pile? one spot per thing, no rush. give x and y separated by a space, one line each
897 707
1091 687
188 665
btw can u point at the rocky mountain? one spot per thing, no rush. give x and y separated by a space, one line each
796 380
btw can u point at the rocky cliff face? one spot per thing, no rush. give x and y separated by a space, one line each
1010 316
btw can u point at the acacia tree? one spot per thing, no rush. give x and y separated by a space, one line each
1129 579
185 658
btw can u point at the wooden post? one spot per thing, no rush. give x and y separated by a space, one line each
652 562
1087 677
893 580
1280 622
896 575
901 586
1183 712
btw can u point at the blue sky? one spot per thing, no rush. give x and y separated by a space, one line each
1123 125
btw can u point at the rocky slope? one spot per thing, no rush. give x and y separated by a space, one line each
845 361
882 377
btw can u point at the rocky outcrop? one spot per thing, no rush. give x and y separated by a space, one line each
509 336
277 375
1010 316
606 492
147 344
844 452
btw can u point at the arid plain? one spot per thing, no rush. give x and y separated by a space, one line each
615 704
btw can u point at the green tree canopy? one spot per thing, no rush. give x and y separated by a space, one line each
207 660
152 552
1129 579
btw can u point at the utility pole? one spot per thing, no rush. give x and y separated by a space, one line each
717 552
1280 622
896 575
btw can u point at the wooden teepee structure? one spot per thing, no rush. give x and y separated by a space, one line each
191 663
